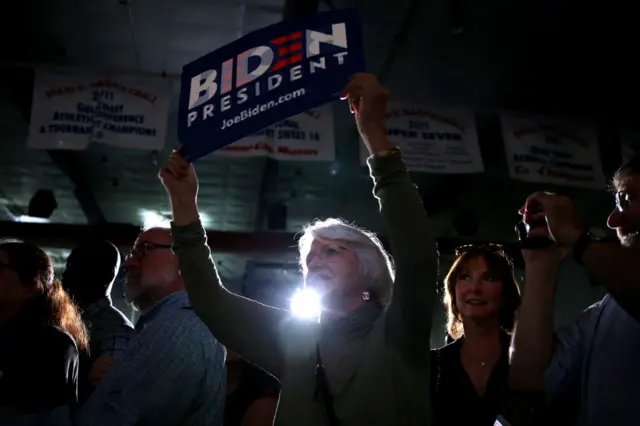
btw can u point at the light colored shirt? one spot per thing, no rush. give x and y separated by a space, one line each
598 357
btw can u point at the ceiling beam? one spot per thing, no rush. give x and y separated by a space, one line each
267 245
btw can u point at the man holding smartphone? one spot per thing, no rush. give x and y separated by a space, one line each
595 359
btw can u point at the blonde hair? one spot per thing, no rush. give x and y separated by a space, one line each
66 315
375 263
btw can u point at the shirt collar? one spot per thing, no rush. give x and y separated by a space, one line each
98 305
176 300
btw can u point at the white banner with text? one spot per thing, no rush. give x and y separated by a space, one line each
305 137
546 150
70 111
433 140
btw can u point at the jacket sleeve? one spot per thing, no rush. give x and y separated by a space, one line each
244 326
414 251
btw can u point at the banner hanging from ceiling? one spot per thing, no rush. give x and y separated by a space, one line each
433 140
545 150
70 111
266 77
305 137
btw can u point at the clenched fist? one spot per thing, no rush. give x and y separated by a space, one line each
179 179
368 101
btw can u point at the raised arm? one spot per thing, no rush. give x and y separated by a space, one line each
412 243
532 343
413 247
611 264
244 326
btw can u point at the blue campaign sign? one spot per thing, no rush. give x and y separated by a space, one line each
265 77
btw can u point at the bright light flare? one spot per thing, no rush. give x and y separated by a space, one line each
31 219
305 303
151 219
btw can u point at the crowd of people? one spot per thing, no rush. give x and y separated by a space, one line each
202 355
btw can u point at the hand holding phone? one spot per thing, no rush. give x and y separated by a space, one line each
532 231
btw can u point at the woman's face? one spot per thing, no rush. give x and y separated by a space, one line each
478 292
332 267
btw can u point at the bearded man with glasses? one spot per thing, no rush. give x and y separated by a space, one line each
173 372
594 361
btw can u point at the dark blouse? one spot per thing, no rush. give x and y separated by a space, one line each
254 384
453 396
38 367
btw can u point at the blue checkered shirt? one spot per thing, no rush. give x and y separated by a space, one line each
172 374
110 330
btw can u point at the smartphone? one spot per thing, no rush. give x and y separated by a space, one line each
522 231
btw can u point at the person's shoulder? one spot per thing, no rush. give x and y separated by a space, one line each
116 316
605 301
588 317
184 329
448 348
445 354
178 317
57 339
184 321
581 329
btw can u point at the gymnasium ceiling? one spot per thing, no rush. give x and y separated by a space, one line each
567 58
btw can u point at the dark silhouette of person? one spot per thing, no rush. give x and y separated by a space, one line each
89 275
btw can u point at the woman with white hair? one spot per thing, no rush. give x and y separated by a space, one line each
366 362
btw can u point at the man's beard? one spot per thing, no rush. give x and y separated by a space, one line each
132 299
133 292
629 239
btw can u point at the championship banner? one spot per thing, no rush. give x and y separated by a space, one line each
433 140
306 137
71 111
545 150
629 142
265 77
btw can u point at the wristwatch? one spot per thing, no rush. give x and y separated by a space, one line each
591 235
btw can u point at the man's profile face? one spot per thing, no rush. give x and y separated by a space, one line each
150 267
625 217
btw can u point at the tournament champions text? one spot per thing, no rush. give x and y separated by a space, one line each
273 59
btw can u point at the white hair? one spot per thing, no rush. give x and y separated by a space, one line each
376 265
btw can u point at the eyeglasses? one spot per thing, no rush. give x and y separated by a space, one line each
143 247
493 248
623 199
